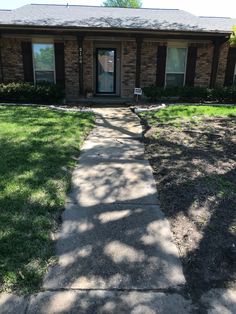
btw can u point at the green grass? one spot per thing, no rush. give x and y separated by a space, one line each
174 114
37 148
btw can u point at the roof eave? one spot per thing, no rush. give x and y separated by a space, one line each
114 29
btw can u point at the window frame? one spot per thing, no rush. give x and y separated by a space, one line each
182 46
44 42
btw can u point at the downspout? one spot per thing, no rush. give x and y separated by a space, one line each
1 63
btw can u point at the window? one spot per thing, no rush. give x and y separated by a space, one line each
175 66
106 61
44 63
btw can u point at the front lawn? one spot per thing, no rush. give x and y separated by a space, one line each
192 150
179 113
38 150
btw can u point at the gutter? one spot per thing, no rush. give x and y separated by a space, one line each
114 29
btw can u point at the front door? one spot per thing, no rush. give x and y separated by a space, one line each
106 71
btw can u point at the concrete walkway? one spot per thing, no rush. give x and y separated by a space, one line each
115 246
115 249
113 235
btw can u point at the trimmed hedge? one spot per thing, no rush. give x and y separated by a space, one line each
43 93
219 94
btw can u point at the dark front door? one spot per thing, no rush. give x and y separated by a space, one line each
106 70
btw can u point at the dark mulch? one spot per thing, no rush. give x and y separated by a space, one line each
195 170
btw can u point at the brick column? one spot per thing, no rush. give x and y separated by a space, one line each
215 61
80 40
138 60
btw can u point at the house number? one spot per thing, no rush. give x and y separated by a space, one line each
80 55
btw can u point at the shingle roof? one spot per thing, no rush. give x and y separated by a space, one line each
5 15
106 17
221 23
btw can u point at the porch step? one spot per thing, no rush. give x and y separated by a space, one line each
106 101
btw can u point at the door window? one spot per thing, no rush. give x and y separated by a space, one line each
106 70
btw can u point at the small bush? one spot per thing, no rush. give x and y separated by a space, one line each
192 94
224 94
153 92
44 93
171 91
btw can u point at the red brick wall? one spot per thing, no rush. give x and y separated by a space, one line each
222 64
203 65
13 65
128 68
71 69
12 60
88 63
148 63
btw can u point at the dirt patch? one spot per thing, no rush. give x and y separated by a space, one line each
194 165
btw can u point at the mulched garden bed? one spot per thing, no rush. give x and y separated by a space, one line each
194 166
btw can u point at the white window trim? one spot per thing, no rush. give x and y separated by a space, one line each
177 45
42 42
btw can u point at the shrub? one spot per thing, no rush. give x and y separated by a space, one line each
187 93
44 93
153 92
192 93
183 93
171 91
224 94
232 94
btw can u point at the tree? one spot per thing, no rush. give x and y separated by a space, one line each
233 36
123 3
43 58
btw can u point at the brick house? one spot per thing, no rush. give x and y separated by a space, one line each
109 51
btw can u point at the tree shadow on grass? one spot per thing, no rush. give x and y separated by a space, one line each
37 148
113 236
